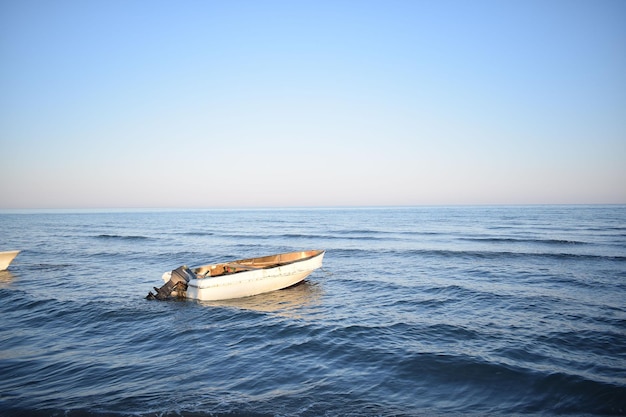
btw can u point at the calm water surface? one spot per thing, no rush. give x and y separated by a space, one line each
417 311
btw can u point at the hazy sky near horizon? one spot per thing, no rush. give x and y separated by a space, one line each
311 103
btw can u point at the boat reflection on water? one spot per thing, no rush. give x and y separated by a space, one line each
6 279
288 301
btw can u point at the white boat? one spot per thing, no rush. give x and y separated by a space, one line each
6 258
240 278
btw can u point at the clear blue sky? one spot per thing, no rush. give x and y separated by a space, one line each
121 103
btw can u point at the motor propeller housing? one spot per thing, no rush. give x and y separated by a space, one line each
178 282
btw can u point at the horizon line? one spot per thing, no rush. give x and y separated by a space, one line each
253 208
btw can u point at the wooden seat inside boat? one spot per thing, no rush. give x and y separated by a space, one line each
241 266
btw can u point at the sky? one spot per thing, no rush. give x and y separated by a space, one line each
201 104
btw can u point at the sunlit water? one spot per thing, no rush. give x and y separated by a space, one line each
417 311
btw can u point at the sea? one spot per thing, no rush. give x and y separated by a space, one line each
417 311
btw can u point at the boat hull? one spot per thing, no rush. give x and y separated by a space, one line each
257 276
6 258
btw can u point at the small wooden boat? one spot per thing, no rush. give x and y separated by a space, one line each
240 278
6 258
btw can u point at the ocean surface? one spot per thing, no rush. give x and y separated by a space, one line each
426 311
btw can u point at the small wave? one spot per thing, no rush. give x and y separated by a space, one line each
527 390
446 253
302 236
518 240
122 237
298 236
196 233
355 231
45 267
243 236
335 237
386 234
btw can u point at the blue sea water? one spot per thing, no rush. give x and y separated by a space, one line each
416 311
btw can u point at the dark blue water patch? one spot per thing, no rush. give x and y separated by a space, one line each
599 342
567 394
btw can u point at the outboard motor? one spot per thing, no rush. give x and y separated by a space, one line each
178 282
